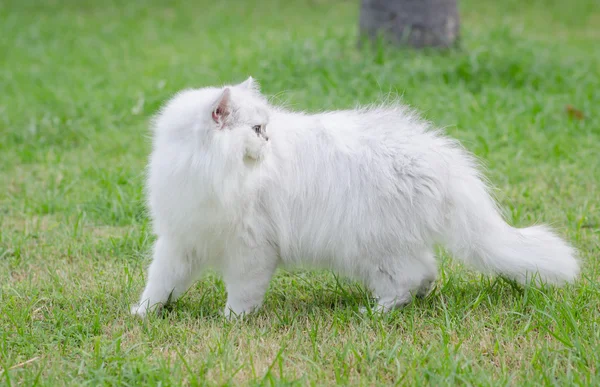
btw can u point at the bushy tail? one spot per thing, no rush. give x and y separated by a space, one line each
479 236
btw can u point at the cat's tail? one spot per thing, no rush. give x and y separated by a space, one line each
478 235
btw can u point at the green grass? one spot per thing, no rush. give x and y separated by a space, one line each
79 81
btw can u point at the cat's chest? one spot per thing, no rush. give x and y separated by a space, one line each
194 213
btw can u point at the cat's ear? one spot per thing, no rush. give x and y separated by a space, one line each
222 108
250 84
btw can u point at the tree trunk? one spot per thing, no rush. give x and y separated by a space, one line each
418 23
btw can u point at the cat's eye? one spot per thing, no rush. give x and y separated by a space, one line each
257 128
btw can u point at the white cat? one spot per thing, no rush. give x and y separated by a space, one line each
241 186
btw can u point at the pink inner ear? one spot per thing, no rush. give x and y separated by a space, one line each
221 111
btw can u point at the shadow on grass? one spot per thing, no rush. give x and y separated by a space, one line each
452 297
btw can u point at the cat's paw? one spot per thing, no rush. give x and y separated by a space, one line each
426 288
139 310
142 310
375 309
231 314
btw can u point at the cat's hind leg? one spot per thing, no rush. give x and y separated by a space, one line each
396 280
170 274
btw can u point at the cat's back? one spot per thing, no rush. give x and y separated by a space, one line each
341 170
370 132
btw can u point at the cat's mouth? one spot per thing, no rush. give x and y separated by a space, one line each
254 156
253 159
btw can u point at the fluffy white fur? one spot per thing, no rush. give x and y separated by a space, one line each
241 186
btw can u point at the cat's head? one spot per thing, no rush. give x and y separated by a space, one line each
229 120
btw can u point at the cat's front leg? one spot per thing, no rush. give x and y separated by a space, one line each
247 278
171 273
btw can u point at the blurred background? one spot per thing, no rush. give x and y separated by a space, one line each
80 79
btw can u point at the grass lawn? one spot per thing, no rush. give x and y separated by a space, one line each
79 81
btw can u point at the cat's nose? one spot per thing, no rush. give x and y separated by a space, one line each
266 138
